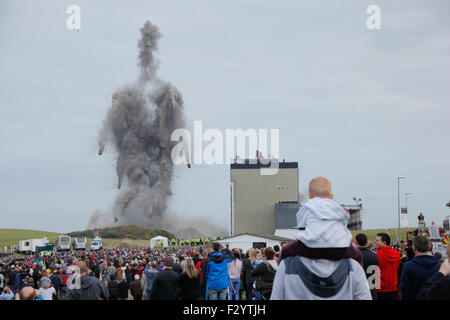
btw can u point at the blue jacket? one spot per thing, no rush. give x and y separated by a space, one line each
216 274
415 273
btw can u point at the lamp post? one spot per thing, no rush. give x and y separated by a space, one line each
406 199
398 214
406 205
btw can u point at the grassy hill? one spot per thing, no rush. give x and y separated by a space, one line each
112 237
10 237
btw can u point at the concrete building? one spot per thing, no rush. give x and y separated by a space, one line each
255 196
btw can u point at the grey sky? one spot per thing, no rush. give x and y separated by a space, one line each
357 106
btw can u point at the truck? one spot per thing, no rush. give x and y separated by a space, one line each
96 244
79 243
24 246
63 243
30 245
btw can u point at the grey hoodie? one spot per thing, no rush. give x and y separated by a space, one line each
90 288
45 282
288 284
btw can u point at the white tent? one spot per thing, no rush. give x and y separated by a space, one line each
159 241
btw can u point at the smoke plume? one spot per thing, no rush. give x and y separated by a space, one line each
138 126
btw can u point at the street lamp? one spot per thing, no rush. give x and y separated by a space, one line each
406 205
398 214
406 199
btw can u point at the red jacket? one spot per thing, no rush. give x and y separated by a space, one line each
388 261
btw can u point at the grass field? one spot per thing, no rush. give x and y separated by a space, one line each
392 232
10 237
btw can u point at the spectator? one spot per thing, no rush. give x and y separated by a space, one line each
85 287
64 289
2 279
201 267
255 263
247 268
389 262
113 287
28 293
123 289
189 281
322 224
165 284
46 290
111 271
177 267
265 273
6 294
419 270
12 278
216 274
438 287
29 281
369 259
149 277
128 274
276 257
136 288
56 282
234 273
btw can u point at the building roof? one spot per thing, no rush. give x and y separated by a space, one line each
253 164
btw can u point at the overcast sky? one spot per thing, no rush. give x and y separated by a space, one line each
355 105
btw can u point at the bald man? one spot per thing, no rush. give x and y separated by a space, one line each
29 293
84 287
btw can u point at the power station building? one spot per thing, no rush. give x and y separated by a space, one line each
260 202
267 204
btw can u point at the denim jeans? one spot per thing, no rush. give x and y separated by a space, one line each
217 294
249 291
234 293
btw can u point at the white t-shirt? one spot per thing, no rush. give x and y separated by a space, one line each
2 278
47 294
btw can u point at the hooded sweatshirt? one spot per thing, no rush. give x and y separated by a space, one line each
217 269
45 282
388 261
415 273
344 279
89 288
322 223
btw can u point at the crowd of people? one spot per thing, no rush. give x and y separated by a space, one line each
324 262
